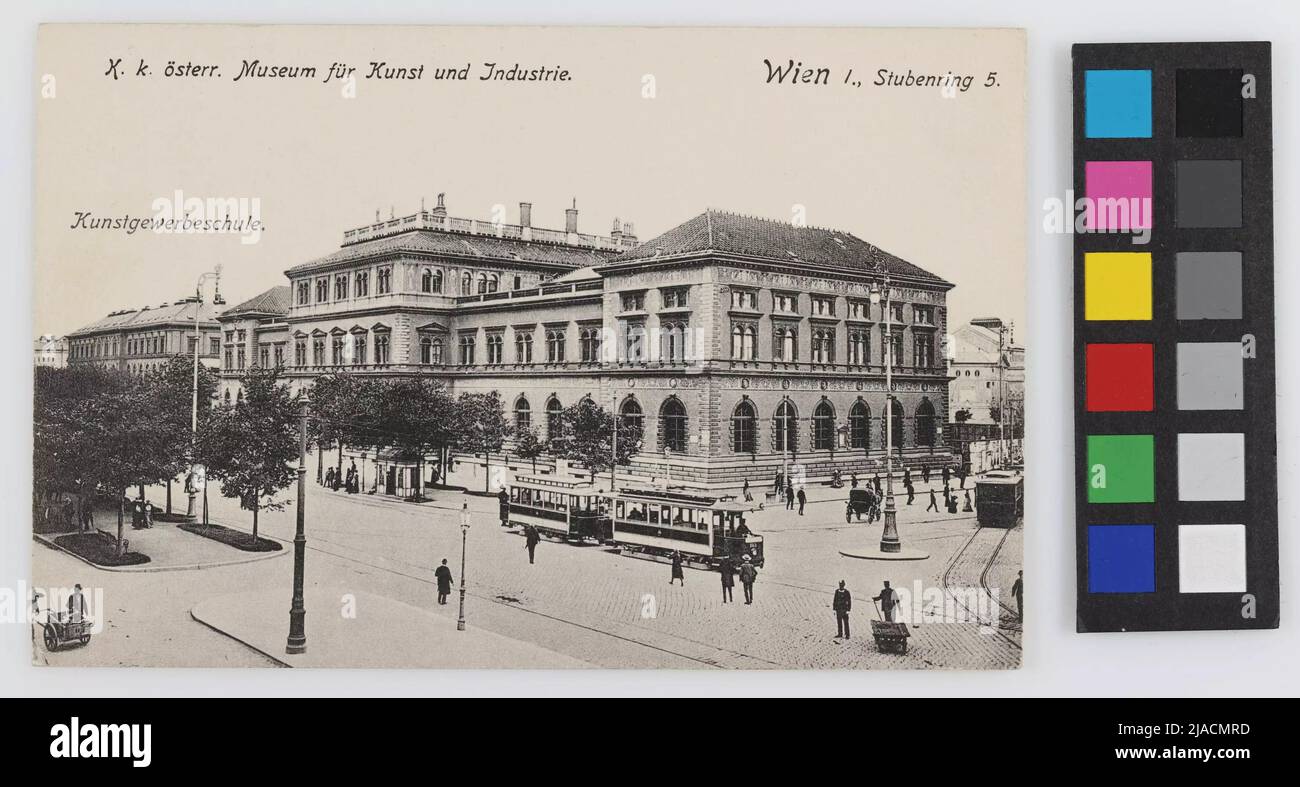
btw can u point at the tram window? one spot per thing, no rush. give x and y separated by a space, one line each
618 509
654 515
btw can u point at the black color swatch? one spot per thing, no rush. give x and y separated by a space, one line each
1209 102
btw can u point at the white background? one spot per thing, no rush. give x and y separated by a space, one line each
1057 660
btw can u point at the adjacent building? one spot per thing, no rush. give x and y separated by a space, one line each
51 351
139 341
740 344
988 369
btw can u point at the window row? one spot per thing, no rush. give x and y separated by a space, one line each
743 299
822 349
342 350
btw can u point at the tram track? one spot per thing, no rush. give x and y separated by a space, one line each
946 582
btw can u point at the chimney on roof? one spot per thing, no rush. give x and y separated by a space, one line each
629 232
571 217
616 233
525 214
441 208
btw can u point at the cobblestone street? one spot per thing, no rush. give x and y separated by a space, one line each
585 602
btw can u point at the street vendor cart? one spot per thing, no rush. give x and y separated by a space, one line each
890 636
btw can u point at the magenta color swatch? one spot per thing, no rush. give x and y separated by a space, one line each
1119 195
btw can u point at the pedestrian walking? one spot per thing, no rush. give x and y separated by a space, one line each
748 573
531 538
677 569
853 480
1018 590
443 575
789 495
907 476
888 599
842 603
744 490
911 494
934 503
803 499
728 573
925 473
503 507
947 474
962 472
879 487
329 478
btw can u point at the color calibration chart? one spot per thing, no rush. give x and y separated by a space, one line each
1174 356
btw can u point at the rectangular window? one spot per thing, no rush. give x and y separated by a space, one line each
823 306
674 298
214 345
923 315
896 312
634 343
633 301
785 303
859 310
923 350
744 300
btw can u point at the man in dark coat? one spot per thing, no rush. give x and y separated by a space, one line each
842 604
875 483
934 503
789 495
443 575
728 573
677 575
947 475
503 507
748 573
925 473
803 500
531 539
888 599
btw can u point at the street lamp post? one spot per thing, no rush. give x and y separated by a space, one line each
889 541
297 642
217 300
464 531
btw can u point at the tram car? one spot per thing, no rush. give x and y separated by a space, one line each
999 498
654 524
560 508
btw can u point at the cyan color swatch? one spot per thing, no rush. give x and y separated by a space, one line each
1121 559
1117 104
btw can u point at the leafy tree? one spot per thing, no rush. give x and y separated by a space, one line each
251 447
414 417
481 427
587 436
337 416
962 416
173 387
529 446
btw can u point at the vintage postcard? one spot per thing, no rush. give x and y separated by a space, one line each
433 347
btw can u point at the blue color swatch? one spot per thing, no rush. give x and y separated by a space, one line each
1121 559
1117 104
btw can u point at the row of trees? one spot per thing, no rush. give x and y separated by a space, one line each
108 431
417 418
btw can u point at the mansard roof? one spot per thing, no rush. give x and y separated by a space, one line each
464 245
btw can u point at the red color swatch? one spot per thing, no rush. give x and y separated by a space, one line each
1119 377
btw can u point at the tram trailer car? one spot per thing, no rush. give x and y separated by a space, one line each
999 498
561 509
653 524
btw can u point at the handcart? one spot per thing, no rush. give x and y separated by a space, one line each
891 637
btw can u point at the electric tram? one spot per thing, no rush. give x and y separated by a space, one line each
640 522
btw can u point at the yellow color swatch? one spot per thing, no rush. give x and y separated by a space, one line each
1117 286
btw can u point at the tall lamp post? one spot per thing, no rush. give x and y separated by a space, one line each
464 532
297 642
891 546
217 300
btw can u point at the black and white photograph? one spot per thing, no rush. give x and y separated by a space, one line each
530 348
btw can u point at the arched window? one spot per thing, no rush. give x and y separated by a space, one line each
555 345
860 425
672 417
431 281
359 349
488 282
743 336
426 350
786 422
381 348
895 437
743 423
631 414
553 411
925 426
523 414
467 283
823 426
784 344
674 342
436 353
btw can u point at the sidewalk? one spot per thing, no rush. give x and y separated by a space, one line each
383 634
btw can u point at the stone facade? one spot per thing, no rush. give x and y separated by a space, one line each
744 345
140 341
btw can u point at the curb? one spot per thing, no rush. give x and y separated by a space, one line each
147 569
228 635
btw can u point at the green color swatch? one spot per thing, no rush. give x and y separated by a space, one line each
1121 468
